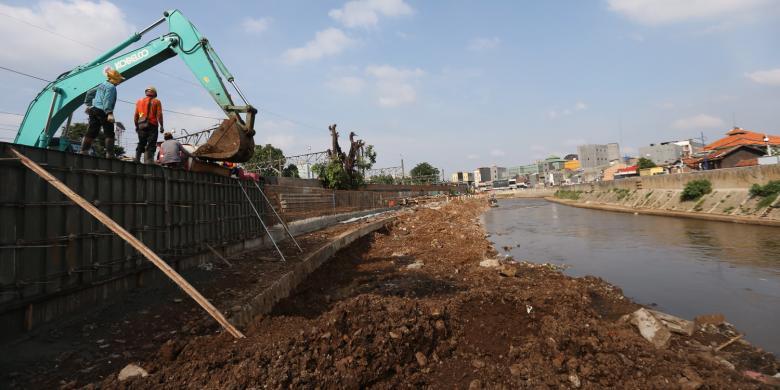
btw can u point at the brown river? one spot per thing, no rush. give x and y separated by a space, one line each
684 267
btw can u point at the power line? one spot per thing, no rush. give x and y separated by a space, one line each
10 113
121 100
24 74
155 70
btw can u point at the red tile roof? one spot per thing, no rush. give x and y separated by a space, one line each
631 169
738 137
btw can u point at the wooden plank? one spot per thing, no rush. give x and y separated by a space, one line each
137 244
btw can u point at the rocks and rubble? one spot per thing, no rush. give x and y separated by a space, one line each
365 320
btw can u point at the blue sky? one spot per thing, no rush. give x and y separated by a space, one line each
459 84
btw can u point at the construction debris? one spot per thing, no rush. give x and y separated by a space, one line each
131 371
651 328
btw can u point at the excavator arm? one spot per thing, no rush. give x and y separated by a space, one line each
232 141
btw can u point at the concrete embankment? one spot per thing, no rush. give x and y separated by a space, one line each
526 193
729 201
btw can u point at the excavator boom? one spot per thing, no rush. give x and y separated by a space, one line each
232 141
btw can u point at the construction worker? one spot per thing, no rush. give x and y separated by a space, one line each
100 103
172 152
148 119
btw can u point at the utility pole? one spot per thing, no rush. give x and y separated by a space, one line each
403 172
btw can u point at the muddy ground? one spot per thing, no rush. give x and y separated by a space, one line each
410 306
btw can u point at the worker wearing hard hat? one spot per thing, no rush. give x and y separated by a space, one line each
100 102
148 120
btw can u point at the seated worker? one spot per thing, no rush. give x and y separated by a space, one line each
172 152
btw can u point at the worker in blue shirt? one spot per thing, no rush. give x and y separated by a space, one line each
100 103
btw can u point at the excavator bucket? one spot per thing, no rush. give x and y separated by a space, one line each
231 141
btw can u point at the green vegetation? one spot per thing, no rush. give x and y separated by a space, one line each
695 189
424 173
568 194
645 163
622 193
272 161
698 206
382 179
647 195
768 193
728 210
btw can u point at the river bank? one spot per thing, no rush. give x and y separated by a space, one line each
413 306
428 302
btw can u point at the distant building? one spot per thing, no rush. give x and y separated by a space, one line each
613 152
665 153
652 171
482 175
592 156
572 165
739 148
609 173
629 171
498 173
690 147
462 177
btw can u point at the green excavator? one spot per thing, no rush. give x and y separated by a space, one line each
231 141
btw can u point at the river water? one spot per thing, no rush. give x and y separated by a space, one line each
686 267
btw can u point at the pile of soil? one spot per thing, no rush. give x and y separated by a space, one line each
412 306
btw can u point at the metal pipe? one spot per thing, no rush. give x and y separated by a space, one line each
44 139
284 225
241 94
153 25
261 221
67 126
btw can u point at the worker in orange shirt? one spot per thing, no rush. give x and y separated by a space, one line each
148 120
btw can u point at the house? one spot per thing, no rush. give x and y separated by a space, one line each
630 171
652 171
609 173
739 148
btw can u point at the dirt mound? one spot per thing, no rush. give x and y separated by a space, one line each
412 307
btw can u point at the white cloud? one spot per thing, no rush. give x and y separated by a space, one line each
497 153
327 42
482 44
47 53
394 86
654 12
347 85
768 77
366 13
698 122
177 122
256 25
555 113
279 133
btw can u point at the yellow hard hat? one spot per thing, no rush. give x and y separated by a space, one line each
113 75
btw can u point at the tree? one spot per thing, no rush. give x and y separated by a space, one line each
345 170
382 179
76 133
291 171
424 172
272 162
645 163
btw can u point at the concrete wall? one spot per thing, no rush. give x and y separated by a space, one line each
720 178
730 197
